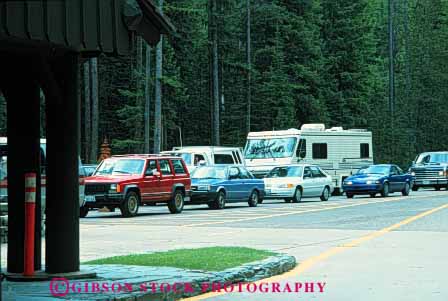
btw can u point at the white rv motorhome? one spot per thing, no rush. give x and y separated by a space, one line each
339 152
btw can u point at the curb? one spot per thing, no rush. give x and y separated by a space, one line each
249 272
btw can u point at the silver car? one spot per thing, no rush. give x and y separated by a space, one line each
292 182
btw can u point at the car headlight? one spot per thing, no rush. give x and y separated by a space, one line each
441 173
349 183
286 186
204 187
413 173
114 188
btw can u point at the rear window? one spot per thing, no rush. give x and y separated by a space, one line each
178 167
223 159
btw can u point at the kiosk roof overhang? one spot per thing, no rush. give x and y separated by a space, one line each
85 26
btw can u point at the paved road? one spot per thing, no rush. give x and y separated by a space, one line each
348 244
362 249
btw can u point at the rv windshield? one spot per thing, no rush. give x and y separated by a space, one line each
432 158
270 148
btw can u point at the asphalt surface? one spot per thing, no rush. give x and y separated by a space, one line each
362 249
345 243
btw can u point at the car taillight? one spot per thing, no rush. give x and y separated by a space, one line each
82 180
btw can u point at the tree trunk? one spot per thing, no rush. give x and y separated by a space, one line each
158 94
138 78
147 96
95 109
87 113
215 70
249 71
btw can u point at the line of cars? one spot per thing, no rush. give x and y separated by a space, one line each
130 181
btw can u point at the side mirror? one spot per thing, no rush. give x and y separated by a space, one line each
156 174
202 163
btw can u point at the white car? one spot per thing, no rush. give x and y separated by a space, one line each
292 182
195 156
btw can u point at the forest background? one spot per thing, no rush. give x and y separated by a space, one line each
235 66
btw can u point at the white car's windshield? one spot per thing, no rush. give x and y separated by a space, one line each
375 169
270 148
209 172
433 158
121 167
282 172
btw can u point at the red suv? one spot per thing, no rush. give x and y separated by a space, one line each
128 181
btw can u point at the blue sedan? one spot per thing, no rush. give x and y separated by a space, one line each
381 178
218 185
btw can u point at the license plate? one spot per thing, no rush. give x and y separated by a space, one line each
90 198
426 182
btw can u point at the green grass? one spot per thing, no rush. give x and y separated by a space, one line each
207 259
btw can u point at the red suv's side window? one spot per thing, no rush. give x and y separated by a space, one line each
178 167
165 167
152 166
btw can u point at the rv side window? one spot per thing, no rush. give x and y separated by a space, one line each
223 159
320 151
364 150
301 149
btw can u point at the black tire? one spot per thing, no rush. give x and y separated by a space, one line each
130 205
325 194
372 195
253 199
415 188
385 191
219 202
297 198
349 195
337 191
287 200
83 211
176 204
406 189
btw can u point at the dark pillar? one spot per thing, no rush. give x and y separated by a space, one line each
23 113
62 232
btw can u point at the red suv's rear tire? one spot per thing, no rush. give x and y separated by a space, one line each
130 205
176 204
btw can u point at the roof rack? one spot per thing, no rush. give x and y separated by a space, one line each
142 155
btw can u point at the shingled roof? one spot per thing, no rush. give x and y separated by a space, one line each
83 25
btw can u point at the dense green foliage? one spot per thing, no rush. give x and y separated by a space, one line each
312 61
